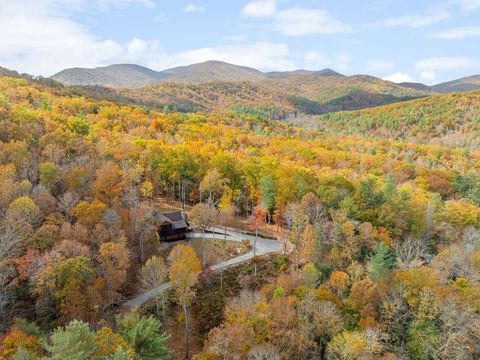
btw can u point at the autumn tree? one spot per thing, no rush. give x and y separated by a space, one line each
49 174
264 352
320 319
203 217
24 209
365 297
89 214
16 340
213 185
11 235
113 261
311 207
183 270
340 282
77 179
308 244
153 275
143 229
108 183
76 288
297 222
355 345
107 343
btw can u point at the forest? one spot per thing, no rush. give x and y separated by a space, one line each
447 119
379 213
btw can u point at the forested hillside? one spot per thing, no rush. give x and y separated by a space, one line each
450 120
382 235
286 94
215 86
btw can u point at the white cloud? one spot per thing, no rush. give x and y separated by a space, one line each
458 33
379 65
294 22
137 46
399 77
259 9
415 20
50 41
430 68
193 8
83 5
47 41
446 63
110 3
467 5
261 55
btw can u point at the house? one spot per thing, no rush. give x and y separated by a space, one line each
171 226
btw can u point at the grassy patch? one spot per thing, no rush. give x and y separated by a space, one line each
217 250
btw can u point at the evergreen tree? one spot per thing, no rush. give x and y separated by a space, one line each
143 334
389 187
267 192
369 197
381 263
423 338
74 342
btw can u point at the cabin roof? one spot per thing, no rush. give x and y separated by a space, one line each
176 219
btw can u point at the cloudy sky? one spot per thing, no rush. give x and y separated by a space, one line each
400 40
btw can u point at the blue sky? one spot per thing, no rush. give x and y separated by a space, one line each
400 40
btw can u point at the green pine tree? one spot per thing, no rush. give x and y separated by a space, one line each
267 192
381 263
74 342
143 334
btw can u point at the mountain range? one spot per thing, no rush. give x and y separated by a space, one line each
215 85
132 76
135 76
218 86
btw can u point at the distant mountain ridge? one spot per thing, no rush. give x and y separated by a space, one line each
120 75
212 71
216 85
465 84
132 76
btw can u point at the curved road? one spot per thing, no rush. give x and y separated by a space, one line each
263 247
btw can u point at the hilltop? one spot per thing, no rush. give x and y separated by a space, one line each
135 76
121 75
